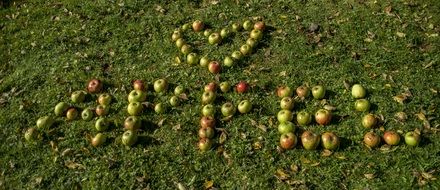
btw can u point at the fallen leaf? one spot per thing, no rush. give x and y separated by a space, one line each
66 152
399 98
400 34
177 127
73 165
281 174
258 145
222 138
294 168
180 186
160 123
388 10
208 184
329 107
369 176
326 153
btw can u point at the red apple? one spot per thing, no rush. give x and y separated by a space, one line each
302 91
205 144
72 114
214 67
323 117
242 87
309 140
369 121
197 26
330 141
94 86
212 86
371 139
139 85
260 26
206 132
288 141
284 91
101 110
207 121
391 138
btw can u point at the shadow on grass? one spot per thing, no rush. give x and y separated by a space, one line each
145 140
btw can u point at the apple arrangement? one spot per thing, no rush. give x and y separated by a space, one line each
94 86
225 86
102 124
371 139
192 58
72 114
204 61
245 106
286 127
179 90
104 99
31 134
204 144
101 110
284 116
180 42
362 105
45 122
186 49
412 138
87 114
369 121
208 97
99 140
132 123
134 108
302 91
287 103
137 96
309 140
358 91
214 67
236 55
211 87
208 110
245 49
236 27
174 101
176 35
251 42
303 118
256 34
206 132
242 87
197 26
61 108
318 92
247 25
260 26
224 33
139 85
159 108
207 32
288 141
323 117
214 38
391 138
330 141
228 61
284 91
129 138
78 96
207 122
160 85
228 109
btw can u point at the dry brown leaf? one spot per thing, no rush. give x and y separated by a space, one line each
388 10
304 160
369 176
315 164
282 175
66 152
330 108
326 153
258 145
208 184
160 123
73 165
294 168
177 127
400 34
400 98
222 138
347 85
38 180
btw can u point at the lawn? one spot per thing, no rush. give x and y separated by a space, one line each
48 49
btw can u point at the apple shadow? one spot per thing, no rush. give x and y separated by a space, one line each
146 140
330 94
148 126
344 143
424 141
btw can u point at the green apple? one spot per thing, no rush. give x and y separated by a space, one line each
228 61
207 32
31 134
284 116
186 49
204 61
192 58
303 118
245 106
137 96
206 132
362 105
104 99
61 108
369 121
224 33
174 101
129 138
412 138
214 38
309 140
87 114
102 124
330 141
208 110
132 123
159 108
256 34
251 42
45 122
208 97
236 27
180 42
225 86
245 49
72 114
134 108
99 140
228 109
247 25
286 127
176 35
358 91
287 103
318 92
236 55
179 90
160 85
205 144
78 96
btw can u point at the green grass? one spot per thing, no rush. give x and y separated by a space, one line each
48 50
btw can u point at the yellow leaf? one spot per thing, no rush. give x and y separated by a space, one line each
208 184
400 34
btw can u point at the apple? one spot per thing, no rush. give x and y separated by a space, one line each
99 140
288 141
391 138
224 33
286 127
207 122
318 92
159 108
323 117
206 132
78 96
245 49
228 61
251 42
204 61
61 108
287 103
412 138
101 110
284 91
369 121
132 123
302 91
371 139
236 27
309 140
139 85
208 97
205 144
260 26
207 32
179 90
160 85
330 141
134 108
214 67
87 114
180 42
104 99
31 134
192 58
211 87
186 49
208 110
284 115
214 38
176 35
94 86
245 106
102 124
242 87
45 122
228 109
362 105
72 114
256 34
225 86
358 91
137 96
236 55
186 27
303 118
197 26
247 25
174 101
129 138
